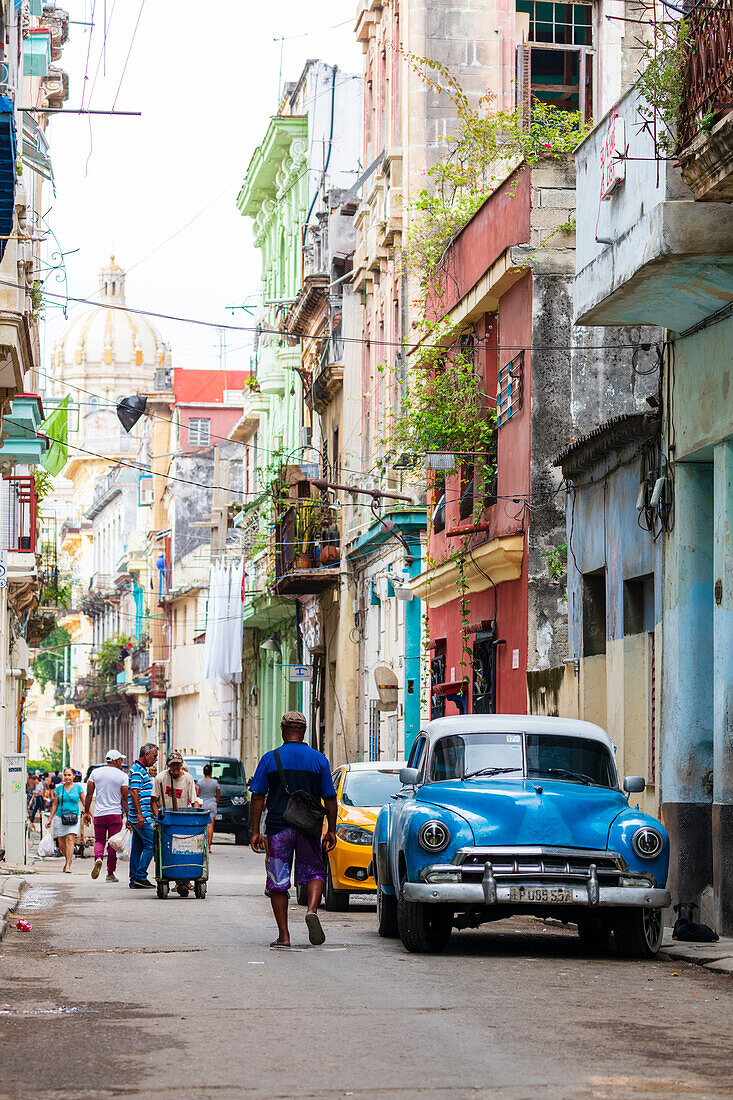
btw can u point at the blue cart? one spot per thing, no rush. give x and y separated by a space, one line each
181 850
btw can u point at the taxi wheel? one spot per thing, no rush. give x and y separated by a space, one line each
638 933
335 901
387 915
424 929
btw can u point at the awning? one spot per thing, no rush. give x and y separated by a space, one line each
8 153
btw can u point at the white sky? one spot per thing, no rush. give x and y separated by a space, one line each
205 77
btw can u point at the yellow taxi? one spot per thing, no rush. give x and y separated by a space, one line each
361 790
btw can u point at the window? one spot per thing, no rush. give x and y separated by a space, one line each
437 676
594 613
484 674
554 64
439 509
639 605
465 509
199 432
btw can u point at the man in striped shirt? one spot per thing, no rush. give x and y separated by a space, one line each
140 817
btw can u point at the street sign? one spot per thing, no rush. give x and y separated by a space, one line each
299 673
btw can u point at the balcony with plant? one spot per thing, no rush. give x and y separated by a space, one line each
308 543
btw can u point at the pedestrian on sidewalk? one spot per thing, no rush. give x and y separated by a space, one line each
209 793
140 817
174 789
67 805
108 786
295 767
34 800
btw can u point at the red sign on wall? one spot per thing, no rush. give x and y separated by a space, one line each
613 154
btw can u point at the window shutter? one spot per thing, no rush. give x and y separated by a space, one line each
524 81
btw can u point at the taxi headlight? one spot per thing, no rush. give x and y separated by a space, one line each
237 800
354 834
647 842
433 836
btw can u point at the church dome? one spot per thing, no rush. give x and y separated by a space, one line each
107 349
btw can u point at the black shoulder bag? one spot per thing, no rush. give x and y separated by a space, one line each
67 818
303 812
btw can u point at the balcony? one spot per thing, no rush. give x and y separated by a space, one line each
646 254
705 132
308 547
329 378
159 680
20 528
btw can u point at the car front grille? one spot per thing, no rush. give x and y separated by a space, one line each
224 800
538 864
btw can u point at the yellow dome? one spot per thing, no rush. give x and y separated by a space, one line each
107 349
104 354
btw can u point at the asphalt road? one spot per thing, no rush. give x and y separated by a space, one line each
115 993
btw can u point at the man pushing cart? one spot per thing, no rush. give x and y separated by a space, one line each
181 850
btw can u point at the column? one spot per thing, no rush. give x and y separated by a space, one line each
686 748
723 686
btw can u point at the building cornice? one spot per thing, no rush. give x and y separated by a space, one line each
495 562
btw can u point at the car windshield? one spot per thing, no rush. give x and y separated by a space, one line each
225 771
370 788
459 757
573 759
549 756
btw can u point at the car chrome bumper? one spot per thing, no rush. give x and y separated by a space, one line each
484 893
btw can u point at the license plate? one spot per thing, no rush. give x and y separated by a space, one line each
219 817
549 895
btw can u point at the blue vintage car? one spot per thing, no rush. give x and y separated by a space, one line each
512 814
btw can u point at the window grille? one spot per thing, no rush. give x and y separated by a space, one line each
509 389
199 432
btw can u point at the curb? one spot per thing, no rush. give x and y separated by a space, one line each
12 889
717 957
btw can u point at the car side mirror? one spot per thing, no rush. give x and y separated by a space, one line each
634 784
408 776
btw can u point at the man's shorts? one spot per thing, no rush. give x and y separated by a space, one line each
309 861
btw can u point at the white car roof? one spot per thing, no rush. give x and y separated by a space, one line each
375 766
515 723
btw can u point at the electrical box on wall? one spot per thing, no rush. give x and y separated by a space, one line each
14 808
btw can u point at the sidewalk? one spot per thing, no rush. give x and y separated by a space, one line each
713 956
11 887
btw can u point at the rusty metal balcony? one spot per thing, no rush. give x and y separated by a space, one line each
304 565
705 130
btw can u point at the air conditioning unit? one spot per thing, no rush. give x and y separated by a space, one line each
146 494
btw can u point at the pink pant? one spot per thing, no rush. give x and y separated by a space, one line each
104 828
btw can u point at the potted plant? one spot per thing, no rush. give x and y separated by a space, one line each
305 530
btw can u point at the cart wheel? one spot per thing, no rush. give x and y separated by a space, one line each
163 889
199 889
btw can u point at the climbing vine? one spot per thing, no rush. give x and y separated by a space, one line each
661 81
488 144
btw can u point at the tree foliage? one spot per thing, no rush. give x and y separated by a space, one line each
49 664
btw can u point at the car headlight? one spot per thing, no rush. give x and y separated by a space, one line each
354 834
647 842
237 800
433 836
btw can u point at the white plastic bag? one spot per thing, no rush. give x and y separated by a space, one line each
46 845
124 851
118 841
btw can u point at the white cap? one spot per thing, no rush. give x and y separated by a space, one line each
113 754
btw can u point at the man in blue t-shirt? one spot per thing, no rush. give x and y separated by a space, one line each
140 817
303 769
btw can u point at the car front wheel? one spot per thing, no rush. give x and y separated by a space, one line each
424 929
335 901
638 933
387 915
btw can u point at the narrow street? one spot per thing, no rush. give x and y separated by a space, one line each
115 993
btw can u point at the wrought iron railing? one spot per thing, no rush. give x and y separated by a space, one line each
708 88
